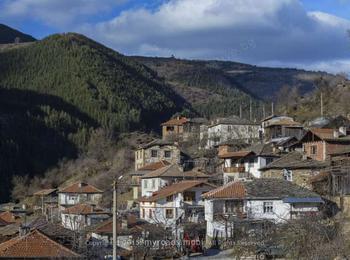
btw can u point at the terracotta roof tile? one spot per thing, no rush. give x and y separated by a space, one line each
237 154
83 209
175 121
230 190
80 187
154 166
173 189
8 217
35 245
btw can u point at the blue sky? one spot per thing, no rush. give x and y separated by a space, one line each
310 34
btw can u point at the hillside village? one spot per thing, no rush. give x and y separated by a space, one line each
204 184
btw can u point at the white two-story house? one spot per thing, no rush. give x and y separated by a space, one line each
80 216
179 202
272 200
232 128
78 192
155 180
245 164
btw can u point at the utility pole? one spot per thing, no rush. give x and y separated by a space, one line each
321 104
114 220
264 113
240 111
272 109
115 211
250 110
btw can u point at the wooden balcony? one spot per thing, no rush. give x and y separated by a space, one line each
240 169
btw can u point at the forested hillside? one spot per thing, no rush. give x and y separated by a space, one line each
199 80
10 35
55 91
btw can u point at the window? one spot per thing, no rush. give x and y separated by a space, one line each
189 196
268 207
313 149
229 128
269 160
143 213
169 213
145 184
167 154
154 153
287 175
251 162
169 198
150 213
170 128
232 206
153 183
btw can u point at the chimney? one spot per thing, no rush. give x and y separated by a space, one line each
336 133
343 130
23 230
80 184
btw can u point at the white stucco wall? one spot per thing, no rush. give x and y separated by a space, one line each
225 132
254 210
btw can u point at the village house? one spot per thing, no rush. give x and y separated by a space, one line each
281 126
35 245
319 143
232 128
136 176
294 167
47 202
80 216
156 151
245 164
258 200
179 202
79 192
165 176
333 182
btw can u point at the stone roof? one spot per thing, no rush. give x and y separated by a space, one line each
80 187
233 120
173 189
263 188
295 160
83 209
157 142
35 245
52 230
44 192
173 171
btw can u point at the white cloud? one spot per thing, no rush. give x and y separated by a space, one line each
58 13
251 31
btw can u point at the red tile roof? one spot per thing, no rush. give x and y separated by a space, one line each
35 245
154 166
83 209
106 227
230 190
238 154
8 217
80 187
175 121
173 189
